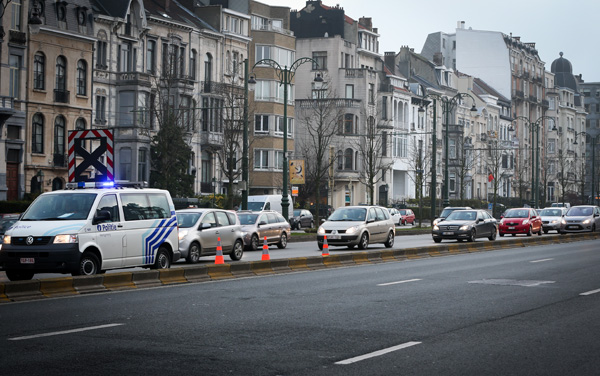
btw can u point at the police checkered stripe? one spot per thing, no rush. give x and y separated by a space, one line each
92 133
156 237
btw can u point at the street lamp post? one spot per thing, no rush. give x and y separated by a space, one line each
534 126
285 75
594 140
245 175
448 105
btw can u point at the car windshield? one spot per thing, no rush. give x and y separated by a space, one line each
551 213
256 206
60 207
446 212
348 214
580 212
460 215
517 213
247 219
296 212
187 220
403 212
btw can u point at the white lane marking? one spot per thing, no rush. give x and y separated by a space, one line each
542 260
395 283
64 332
590 292
378 353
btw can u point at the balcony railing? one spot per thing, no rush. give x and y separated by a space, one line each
60 160
61 96
337 102
273 29
206 187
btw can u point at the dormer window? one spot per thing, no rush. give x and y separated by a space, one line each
61 11
81 16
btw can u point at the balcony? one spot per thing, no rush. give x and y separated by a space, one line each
545 103
7 108
273 29
61 96
133 78
211 139
533 98
206 187
60 160
17 37
337 102
211 87
519 94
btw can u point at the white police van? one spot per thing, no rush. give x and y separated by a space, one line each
92 227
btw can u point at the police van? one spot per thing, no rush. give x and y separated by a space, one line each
92 227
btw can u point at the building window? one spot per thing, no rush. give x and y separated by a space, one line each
348 159
39 71
61 74
81 77
279 160
350 91
15 75
452 148
261 159
320 60
151 57
59 139
452 182
261 124
371 94
61 12
383 108
142 165
16 15
143 110
37 137
100 109
101 54
125 164
193 62
80 126
124 58
126 107
347 124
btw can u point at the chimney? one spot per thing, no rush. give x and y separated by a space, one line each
167 6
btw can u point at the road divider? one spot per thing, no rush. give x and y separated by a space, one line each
68 286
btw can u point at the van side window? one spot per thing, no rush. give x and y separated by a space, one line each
222 218
210 219
134 206
372 215
232 219
380 215
159 206
109 203
267 206
272 218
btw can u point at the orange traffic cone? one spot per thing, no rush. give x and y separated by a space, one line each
265 254
325 246
219 258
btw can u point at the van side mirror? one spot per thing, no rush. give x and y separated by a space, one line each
261 223
101 216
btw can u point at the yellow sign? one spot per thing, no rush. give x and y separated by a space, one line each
296 169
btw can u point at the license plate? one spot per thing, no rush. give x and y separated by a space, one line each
511 228
448 233
27 260
572 226
334 237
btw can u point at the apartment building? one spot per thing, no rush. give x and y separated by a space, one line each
591 98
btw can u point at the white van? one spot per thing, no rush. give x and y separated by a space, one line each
84 231
561 205
270 202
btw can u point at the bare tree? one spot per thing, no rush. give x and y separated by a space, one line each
419 161
520 180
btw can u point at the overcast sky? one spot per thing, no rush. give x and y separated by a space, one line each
554 26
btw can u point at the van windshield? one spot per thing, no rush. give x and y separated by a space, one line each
255 206
60 207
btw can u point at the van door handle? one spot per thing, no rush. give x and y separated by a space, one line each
119 225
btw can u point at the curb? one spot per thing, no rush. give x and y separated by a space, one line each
68 286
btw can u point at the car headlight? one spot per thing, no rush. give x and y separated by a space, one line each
587 221
6 239
321 231
182 234
436 221
563 221
525 222
464 228
435 227
244 233
351 230
65 239
554 221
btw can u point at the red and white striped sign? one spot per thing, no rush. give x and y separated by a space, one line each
91 159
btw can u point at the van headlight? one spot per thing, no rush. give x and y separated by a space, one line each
321 231
182 234
65 239
6 239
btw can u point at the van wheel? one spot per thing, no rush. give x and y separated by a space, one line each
162 261
193 253
283 241
88 265
19 275
238 251
390 240
363 243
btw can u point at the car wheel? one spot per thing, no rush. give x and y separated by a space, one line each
254 242
320 246
88 264
493 236
162 261
472 236
193 253
363 243
19 275
594 227
389 243
529 232
238 251
540 232
546 231
282 241
312 224
437 240
403 223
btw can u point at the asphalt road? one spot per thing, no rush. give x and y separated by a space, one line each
522 311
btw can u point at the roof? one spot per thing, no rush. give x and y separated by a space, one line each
481 87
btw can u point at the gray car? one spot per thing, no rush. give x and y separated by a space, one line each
200 230
256 226
552 218
352 226
581 218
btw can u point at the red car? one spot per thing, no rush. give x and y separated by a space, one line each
520 221
407 216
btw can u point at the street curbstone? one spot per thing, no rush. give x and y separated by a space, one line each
315 262
57 287
399 254
261 267
23 290
280 266
119 281
196 274
241 269
146 278
361 258
89 284
374 256
3 297
298 263
171 276
220 271
387 255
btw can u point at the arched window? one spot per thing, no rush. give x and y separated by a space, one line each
208 68
61 74
80 126
57 184
81 77
37 136
59 141
348 159
39 71
340 160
